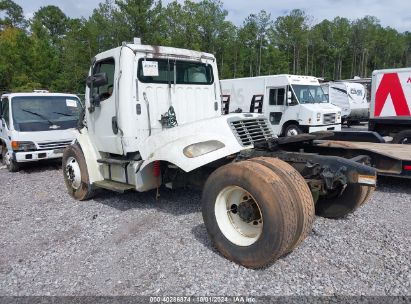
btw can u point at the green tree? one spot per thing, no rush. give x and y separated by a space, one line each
291 31
13 15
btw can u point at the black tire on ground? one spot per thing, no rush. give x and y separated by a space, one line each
12 166
370 192
278 222
85 190
403 137
301 196
292 130
342 202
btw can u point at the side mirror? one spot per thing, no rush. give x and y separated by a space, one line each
97 80
289 96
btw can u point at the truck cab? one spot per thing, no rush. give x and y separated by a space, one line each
293 104
36 126
153 117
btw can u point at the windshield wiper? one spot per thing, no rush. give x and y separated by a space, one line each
65 114
39 115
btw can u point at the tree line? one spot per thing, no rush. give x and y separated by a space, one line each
53 51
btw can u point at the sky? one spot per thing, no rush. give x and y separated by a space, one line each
393 13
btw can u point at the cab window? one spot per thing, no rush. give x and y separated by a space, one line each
184 72
5 112
106 66
277 97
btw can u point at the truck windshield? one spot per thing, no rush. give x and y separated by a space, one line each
164 71
45 113
309 94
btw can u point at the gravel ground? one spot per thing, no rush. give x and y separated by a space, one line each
131 244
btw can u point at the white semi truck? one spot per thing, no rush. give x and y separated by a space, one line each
293 104
390 109
153 117
350 97
36 126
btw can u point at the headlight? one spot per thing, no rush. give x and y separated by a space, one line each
338 115
318 116
23 145
202 148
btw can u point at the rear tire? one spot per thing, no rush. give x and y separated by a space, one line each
370 192
342 202
301 196
248 213
75 173
403 137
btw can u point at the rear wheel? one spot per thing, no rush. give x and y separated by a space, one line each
248 213
403 137
301 196
75 173
8 160
342 201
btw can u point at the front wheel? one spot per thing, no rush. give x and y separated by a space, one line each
292 130
75 173
248 213
8 160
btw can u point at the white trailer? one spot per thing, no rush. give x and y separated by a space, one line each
390 109
293 104
153 117
350 97
36 126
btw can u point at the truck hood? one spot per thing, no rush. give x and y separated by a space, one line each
45 136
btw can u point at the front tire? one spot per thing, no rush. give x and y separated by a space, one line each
343 201
75 173
8 161
292 130
248 213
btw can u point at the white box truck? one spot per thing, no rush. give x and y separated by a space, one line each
293 104
350 97
36 126
390 108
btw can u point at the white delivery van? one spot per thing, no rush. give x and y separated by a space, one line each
350 97
293 104
36 126
390 108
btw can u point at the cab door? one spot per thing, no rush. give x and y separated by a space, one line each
102 116
5 119
276 107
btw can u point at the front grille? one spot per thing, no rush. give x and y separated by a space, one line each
329 118
54 145
250 131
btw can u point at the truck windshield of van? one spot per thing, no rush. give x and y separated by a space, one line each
309 94
45 113
164 71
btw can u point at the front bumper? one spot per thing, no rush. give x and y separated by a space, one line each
23 157
334 127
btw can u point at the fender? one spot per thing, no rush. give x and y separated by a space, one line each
168 145
90 155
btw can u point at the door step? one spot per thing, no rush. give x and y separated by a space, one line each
113 161
114 186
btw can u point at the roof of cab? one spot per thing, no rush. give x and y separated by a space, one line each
163 51
11 95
